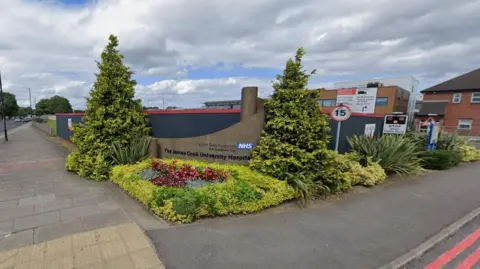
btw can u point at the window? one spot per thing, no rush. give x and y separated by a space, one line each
464 125
475 97
381 101
457 98
328 103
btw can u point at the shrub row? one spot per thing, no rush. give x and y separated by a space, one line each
243 191
406 155
440 159
396 154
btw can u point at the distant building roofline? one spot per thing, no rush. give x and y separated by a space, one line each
367 79
223 102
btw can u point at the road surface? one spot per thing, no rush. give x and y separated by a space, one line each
461 250
11 124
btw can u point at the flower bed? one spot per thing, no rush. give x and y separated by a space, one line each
183 191
173 174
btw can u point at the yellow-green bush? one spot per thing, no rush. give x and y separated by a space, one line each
469 153
244 191
342 171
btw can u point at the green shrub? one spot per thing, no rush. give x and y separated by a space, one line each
450 141
306 188
469 153
39 120
440 159
136 151
243 191
395 154
446 140
295 136
342 171
112 116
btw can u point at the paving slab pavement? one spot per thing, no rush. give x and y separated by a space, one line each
115 247
366 230
40 201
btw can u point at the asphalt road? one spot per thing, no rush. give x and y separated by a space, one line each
461 250
11 124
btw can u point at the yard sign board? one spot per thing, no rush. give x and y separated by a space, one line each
395 124
360 100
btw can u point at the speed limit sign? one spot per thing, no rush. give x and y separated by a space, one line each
341 113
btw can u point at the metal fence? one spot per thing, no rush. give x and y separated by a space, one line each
175 124
355 125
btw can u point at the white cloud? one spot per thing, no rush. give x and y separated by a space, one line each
52 48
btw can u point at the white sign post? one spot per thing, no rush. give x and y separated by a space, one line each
340 113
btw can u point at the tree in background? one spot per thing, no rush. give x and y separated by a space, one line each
24 111
21 112
55 104
59 104
78 111
11 106
295 138
112 115
43 107
28 110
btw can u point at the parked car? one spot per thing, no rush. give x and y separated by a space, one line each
27 119
18 120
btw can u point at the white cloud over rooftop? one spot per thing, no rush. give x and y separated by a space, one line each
52 48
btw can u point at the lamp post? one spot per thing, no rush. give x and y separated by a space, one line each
3 109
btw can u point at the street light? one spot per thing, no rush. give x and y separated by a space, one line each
3 109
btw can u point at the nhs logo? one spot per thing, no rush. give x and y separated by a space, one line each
245 146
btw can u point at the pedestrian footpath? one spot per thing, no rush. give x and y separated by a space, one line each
116 247
40 201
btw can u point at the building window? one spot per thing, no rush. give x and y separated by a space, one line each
328 103
464 125
475 97
457 98
381 101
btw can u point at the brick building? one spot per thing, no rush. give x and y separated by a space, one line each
388 99
455 103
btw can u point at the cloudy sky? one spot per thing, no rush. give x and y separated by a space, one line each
190 51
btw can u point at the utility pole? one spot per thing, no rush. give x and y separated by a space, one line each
30 96
3 109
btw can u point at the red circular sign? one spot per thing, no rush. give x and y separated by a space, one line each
341 113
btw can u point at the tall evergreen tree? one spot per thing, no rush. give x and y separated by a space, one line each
111 115
295 136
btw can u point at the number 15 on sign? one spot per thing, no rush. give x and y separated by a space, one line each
340 113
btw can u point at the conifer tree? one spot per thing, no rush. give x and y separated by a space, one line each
295 136
111 115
